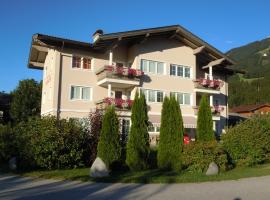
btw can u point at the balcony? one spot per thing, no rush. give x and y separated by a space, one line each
216 110
120 104
120 77
208 86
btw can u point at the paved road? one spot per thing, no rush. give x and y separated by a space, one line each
14 187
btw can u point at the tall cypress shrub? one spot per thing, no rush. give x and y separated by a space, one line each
138 139
109 147
204 130
171 136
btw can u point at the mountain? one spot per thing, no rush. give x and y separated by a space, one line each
254 58
252 87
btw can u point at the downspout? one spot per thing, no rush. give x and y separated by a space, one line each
227 99
59 84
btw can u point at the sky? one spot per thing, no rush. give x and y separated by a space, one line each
225 24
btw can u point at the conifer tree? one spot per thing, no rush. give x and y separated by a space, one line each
171 136
204 131
138 139
109 147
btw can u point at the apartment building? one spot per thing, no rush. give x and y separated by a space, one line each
79 77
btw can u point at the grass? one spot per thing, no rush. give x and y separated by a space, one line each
152 176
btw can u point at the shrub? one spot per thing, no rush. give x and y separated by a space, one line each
48 143
138 139
109 147
171 136
198 155
248 143
93 128
204 130
7 143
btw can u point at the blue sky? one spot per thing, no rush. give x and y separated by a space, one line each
225 24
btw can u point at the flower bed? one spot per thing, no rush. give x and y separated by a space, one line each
119 103
124 71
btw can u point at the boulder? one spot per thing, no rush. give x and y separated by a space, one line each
212 169
99 169
12 163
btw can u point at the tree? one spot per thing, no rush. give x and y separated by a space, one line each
5 100
26 99
138 140
204 130
109 147
171 136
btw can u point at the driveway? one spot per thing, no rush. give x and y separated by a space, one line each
15 187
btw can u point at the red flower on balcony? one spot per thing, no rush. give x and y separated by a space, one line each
124 71
119 103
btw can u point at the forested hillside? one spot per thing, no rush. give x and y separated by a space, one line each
254 86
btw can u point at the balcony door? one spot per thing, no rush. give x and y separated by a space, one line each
118 94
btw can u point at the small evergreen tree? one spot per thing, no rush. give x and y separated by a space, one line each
204 130
138 139
171 136
109 147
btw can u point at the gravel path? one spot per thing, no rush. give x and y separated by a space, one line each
15 187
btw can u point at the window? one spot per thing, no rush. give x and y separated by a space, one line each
159 96
76 62
144 66
160 68
155 128
152 66
181 71
151 128
173 70
86 63
187 72
85 93
182 98
152 95
81 63
80 93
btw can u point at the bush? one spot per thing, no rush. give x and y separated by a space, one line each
204 130
7 143
198 155
48 143
109 147
248 143
171 136
138 139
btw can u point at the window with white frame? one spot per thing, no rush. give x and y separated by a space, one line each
153 128
81 63
154 67
80 93
182 98
181 71
153 95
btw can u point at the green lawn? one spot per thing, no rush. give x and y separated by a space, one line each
153 176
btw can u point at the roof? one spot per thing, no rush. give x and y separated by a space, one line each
248 108
41 43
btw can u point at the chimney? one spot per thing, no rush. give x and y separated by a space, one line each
97 34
